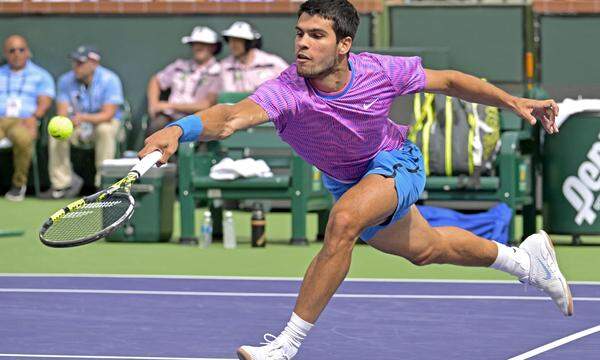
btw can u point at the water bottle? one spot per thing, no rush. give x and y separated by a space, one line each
257 224
229 241
206 230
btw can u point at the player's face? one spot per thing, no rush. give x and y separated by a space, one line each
16 52
202 52
317 50
237 46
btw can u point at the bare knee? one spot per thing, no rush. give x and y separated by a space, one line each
430 251
342 231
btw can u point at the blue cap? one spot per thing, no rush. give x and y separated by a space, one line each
85 52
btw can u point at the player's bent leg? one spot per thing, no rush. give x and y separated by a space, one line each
534 262
414 239
370 202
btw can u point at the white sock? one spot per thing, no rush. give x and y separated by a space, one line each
512 260
294 333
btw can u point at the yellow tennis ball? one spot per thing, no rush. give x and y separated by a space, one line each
60 127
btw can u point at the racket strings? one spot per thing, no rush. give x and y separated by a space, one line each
88 220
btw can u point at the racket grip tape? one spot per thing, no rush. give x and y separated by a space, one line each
147 162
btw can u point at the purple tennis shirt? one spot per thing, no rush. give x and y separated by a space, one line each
340 133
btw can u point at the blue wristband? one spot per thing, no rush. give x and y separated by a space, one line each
192 127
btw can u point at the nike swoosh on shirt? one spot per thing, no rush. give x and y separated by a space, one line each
367 106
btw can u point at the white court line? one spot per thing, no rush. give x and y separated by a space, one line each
269 278
104 357
282 295
557 343
247 278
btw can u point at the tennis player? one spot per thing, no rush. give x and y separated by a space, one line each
332 107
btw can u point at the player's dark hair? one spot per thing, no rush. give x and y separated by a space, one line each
341 12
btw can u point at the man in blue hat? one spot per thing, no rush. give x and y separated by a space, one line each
91 96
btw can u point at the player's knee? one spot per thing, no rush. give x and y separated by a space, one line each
341 232
429 253
344 225
422 258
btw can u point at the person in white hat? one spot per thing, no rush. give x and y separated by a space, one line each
194 83
248 66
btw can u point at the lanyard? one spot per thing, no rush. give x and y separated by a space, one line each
241 80
199 82
84 93
20 89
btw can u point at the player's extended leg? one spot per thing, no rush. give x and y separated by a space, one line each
534 261
414 239
370 202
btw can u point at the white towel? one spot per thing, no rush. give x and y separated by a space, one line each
571 106
229 169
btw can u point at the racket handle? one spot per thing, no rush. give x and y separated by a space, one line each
147 162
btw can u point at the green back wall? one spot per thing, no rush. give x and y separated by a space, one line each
570 55
138 46
484 41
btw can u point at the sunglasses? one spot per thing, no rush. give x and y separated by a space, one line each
14 50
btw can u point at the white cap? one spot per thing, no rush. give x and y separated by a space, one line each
241 30
201 34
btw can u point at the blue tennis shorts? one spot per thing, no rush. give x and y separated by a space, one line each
405 165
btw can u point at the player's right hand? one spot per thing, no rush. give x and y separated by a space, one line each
165 140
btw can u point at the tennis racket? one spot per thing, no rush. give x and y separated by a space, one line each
96 216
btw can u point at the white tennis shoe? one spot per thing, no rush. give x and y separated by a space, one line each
273 348
544 273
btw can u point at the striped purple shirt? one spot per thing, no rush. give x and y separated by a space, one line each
341 133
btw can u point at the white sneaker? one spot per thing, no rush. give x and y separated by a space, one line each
273 349
544 273
16 193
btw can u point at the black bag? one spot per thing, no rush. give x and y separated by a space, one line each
456 137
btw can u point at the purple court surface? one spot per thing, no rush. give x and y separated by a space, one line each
193 318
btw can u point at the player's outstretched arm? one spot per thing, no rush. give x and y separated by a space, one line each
214 123
467 87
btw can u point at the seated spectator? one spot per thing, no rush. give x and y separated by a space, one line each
26 93
91 96
247 67
194 83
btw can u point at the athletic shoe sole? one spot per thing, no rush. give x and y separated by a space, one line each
563 281
14 198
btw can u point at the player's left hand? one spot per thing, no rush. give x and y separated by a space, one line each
543 110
